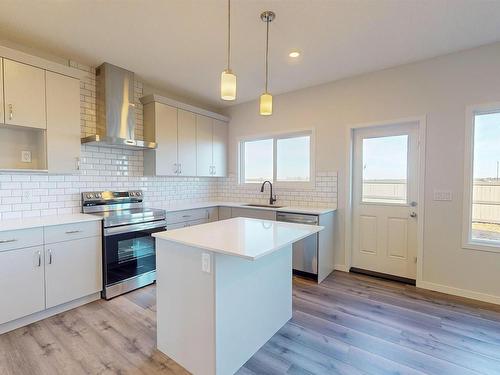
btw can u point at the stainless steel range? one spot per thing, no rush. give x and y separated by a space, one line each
129 258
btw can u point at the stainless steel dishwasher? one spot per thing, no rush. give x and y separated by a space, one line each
305 252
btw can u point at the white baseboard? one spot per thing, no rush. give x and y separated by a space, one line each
459 292
24 321
341 267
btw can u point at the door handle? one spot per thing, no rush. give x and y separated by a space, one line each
413 214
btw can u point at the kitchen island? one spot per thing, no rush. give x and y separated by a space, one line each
223 289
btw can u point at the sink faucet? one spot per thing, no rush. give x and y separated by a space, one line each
272 198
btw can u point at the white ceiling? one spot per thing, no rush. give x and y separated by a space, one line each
180 45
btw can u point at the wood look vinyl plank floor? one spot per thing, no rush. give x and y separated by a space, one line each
350 324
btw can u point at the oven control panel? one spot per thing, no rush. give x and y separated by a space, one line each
90 198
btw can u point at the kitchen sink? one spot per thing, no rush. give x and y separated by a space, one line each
263 205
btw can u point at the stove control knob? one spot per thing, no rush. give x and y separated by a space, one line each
138 193
98 195
90 196
132 193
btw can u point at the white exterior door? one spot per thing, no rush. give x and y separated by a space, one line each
385 207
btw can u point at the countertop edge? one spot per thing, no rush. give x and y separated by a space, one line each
45 221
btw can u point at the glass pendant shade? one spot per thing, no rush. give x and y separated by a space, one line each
228 85
266 104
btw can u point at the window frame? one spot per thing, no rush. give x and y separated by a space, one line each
467 241
275 136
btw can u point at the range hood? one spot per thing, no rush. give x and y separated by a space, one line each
115 110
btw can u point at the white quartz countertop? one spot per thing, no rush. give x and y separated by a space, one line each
243 237
293 209
45 221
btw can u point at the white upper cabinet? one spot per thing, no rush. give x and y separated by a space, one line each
24 95
186 138
191 141
63 123
220 135
204 149
160 123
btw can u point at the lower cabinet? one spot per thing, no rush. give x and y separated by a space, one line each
21 283
35 276
253 213
187 218
73 269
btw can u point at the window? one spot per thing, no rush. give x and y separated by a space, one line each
483 190
283 159
385 169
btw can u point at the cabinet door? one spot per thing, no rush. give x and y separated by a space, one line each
220 130
2 117
166 137
63 123
24 90
253 213
21 283
186 130
204 145
73 269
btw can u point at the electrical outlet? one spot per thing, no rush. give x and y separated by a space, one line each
205 262
26 156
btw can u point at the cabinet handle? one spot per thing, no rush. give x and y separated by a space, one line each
180 168
73 231
39 258
7 241
176 168
11 112
50 256
214 170
77 163
186 215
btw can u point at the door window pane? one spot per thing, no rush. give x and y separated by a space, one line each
293 159
486 178
385 164
258 159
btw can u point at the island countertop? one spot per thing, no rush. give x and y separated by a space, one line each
242 237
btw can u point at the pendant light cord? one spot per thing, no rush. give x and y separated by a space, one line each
228 34
267 51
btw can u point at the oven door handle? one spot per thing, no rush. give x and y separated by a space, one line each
134 227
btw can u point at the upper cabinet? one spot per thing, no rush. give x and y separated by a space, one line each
39 113
191 141
211 146
186 142
63 123
219 145
24 95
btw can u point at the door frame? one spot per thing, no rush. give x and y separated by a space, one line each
348 232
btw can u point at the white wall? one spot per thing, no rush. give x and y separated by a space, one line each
439 88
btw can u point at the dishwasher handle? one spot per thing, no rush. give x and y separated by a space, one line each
298 219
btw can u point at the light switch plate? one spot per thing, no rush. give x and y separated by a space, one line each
443 195
205 262
26 156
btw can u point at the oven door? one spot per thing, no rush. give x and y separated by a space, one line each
129 251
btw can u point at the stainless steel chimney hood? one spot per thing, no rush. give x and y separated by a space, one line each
115 110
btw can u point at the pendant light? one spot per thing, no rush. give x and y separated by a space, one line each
228 78
266 99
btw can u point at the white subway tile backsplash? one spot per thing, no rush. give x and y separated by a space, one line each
104 168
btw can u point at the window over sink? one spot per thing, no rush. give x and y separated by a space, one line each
284 159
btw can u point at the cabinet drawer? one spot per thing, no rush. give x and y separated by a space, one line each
187 215
66 232
189 223
16 239
253 213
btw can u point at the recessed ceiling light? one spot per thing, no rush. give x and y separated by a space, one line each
294 54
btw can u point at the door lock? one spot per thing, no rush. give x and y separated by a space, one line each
413 214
